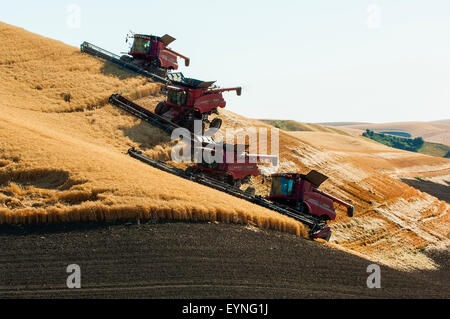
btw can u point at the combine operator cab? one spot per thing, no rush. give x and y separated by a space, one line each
189 100
233 169
235 166
152 52
301 193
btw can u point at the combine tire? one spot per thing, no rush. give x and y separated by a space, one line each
126 58
155 63
161 108
250 191
216 123
191 170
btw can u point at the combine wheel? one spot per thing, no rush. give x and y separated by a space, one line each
161 108
155 63
250 191
246 179
305 209
126 58
216 123
190 170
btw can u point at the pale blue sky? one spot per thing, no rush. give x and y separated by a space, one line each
311 61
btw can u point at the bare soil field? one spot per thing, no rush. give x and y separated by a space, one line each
191 260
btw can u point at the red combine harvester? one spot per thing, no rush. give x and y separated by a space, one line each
301 193
234 168
152 53
235 164
294 195
189 99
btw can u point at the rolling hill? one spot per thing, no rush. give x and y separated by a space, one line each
436 131
349 128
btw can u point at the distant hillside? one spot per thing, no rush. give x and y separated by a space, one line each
342 123
442 122
435 132
413 145
435 149
293 126
391 139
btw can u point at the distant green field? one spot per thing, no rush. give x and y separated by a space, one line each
408 144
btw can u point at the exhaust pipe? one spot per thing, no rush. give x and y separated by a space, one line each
186 59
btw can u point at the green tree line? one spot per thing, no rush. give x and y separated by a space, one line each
406 144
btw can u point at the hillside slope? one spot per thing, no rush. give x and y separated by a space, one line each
354 129
62 159
437 132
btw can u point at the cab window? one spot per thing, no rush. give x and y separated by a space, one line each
142 46
177 97
282 186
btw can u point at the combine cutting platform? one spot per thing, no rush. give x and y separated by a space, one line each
94 50
154 119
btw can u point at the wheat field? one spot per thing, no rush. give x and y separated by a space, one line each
62 151
62 158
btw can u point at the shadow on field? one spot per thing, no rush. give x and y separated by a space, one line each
146 135
58 228
437 190
114 70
